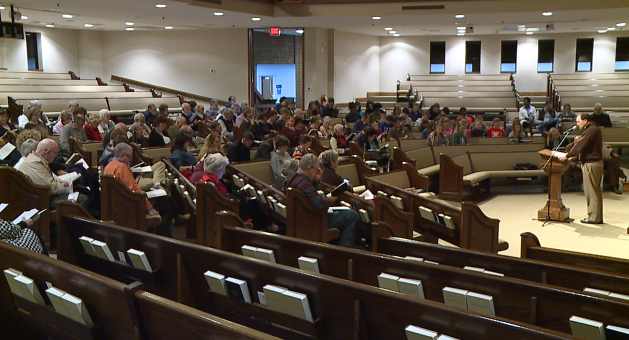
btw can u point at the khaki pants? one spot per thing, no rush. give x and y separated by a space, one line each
146 181
592 175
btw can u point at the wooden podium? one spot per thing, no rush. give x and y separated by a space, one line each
558 212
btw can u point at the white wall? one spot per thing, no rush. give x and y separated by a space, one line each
59 49
356 65
181 59
90 48
13 55
316 60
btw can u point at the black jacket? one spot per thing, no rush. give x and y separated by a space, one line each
264 150
238 152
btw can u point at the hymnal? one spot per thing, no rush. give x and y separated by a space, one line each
274 300
238 181
474 269
418 333
413 258
493 273
141 169
19 163
237 289
351 137
262 299
411 287
156 193
73 196
586 328
382 193
364 215
6 150
341 188
427 214
388 282
619 296
10 274
3 206
297 305
281 209
397 201
308 264
70 177
447 221
481 303
29 289
272 202
248 251
76 309
616 333
216 282
251 191
265 254
261 197
32 214
445 337
139 260
102 250
55 295
431 262
83 163
596 291
86 242
333 209
73 159
359 189
455 297
343 203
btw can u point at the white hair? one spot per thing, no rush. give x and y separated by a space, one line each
328 156
137 117
72 103
308 160
598 105
28 146
326 119
34 103
103 112
338 128
214 162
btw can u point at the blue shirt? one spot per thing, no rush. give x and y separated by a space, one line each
385 126
182 158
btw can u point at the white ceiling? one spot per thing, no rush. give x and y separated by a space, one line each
487 17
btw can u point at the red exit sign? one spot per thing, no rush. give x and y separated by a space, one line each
275 31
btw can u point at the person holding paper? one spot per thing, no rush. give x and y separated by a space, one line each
589 151
330 161
306 179
37 168
20 235
5 125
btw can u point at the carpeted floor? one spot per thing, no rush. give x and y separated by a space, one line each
516 213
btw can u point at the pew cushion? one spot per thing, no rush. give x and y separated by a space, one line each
476 177
516 173
429 171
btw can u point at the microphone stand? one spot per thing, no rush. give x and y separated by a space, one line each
550 161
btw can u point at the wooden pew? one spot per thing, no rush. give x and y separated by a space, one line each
88 151
341 309
305 221
61 88
123 206
532 249
56 82
22 195
554 274
513 298
108 302
462 78
184 194
33 75
210 201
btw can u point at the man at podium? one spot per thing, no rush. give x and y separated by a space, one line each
589 152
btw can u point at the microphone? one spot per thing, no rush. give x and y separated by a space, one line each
570 129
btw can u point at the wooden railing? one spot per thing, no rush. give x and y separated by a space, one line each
165 89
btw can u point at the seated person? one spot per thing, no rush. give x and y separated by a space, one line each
65 118
353 115
527 114
361 124
245 118
214 167
546 118
437 138
330 110
33 115
193 146
213 141
159 136
119 167
106 124
240 151
306 179
599 117
74 129
173 129
553 140
266 148
279 155
479 129
291 132
287 168
261 129
198 117
415 113
139 135
459 137
226 121
325 127
5 125
400 130
447 129
118 136
21 235
181 158
305 142
495 130
330 161
139 118
387 124
463 115
91 128
36 167
517 135
338 142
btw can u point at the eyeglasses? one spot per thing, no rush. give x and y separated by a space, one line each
53 151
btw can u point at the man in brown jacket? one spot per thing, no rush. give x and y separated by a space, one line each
589 152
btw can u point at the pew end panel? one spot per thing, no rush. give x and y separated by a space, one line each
417 180
139 156
209 202
399 221
479 232
123 206
450 179
305 221
226 219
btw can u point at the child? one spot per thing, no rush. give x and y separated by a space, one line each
459 137
447 129
478 129
387 124
305 142
496 130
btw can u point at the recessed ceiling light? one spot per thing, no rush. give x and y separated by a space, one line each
532 29
460 27
460 34
218 14
611 28
547 14
299 31
255 19
521 26
88 25
392 32
50 25
529 33
160 6
168 27
388 28
129 28
1 8
460 16
621 24
396 35
68 16
376 18
129 23
602 31
24 17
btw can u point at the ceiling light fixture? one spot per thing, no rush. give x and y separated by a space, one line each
460 34
460 16
602 31
392 32
611 28
547 14
160 6
168 27
129 23
388 28
129 29
621 24
376 18
255 19
299 31
529 33
68 16
396 35
24 17
50 25
460 27
88 25
218 14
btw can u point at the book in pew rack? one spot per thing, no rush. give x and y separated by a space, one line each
480 303
455 297
237 289
55 295
274 299
388 282
586 328
308 264
76 309
216 282
297 305
28 289
418 333
139 260
616 333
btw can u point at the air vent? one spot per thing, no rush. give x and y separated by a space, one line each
420 7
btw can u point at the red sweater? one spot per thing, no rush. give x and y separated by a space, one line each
495 132
92 134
